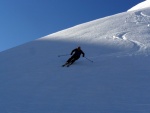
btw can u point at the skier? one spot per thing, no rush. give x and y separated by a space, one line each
75 56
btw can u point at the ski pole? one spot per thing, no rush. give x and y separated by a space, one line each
63 55
88 59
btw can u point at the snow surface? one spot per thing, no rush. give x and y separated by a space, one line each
118 81
141 5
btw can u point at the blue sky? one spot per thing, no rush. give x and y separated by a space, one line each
22 21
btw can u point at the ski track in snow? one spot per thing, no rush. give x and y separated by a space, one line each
139 18
137 46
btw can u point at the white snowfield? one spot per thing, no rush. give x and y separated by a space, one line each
118 81
142 5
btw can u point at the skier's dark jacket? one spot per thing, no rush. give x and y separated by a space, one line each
77 52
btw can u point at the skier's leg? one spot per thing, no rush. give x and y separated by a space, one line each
74 59
69 60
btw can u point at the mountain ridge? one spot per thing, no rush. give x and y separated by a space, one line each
142 5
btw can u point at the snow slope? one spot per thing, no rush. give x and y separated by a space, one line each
118 81
141 5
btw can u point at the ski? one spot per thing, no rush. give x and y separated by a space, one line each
67 64
64 64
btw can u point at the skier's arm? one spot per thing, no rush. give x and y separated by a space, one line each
73 51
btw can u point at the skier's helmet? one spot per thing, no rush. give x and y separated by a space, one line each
79 47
